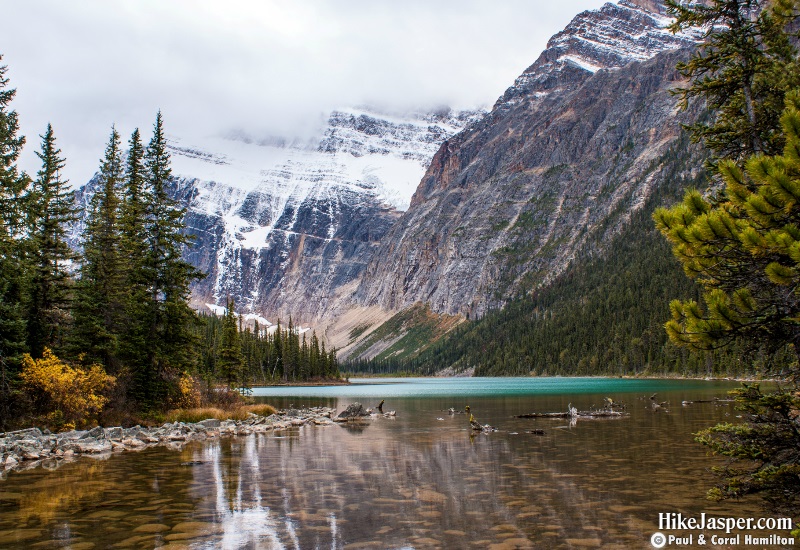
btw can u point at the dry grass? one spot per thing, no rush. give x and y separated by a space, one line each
202 413
261 409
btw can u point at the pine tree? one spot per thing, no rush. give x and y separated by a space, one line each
745 252
231 361
51 210
132 215
278 369
743 248
314 359
743 70
291 352
100 291
134 335
163 317
12 268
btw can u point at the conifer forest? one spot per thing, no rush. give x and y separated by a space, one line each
109 324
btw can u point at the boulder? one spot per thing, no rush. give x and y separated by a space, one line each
92 446
132 432
29 433
210 423
95 433
354 410
29 453
114 433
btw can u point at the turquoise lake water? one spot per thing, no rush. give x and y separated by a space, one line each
384 388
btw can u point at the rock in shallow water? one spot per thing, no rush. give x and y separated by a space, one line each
354 410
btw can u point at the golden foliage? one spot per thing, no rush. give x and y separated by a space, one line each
71 396
189 395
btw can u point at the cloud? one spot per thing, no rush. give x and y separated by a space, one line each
270 67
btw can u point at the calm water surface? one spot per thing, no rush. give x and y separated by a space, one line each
420 480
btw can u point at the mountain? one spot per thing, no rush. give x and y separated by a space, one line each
328 230
282 225
570 149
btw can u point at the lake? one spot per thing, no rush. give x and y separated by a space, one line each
419 480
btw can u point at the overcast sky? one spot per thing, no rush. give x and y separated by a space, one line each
268 67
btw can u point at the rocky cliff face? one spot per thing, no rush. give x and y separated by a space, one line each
571 149
284 227
317 230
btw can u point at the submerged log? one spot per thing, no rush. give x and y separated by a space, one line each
715 400
544 415
570 414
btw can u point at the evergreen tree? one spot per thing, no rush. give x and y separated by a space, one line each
12 269
744 68
314 362
304 367
744 251
132 215
277 368
743 248
231 360
51 210
133 337
100 291
163 316
291 353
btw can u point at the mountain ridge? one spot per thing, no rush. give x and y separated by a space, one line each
505 204
508 199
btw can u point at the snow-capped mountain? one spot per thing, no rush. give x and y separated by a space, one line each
456 210
281 226
607 38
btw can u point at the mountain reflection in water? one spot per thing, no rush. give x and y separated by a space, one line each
420 480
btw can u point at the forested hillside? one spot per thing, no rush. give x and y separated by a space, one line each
604 316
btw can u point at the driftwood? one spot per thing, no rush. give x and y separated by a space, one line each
477 426
579 414
612 410
715 400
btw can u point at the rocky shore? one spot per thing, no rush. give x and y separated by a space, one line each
33 447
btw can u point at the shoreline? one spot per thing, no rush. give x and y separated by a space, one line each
309 384
32 447
370 376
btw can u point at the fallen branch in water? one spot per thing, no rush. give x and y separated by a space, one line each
579 414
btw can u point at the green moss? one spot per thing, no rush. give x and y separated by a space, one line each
501 225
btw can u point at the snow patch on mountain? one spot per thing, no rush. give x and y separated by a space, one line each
608 38
381 155
251 318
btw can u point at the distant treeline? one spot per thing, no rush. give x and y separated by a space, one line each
246 356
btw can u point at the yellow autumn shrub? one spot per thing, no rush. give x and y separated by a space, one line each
69 396
189 395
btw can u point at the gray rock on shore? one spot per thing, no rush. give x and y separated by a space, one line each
33 447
